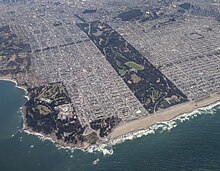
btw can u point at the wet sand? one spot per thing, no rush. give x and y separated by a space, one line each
164 115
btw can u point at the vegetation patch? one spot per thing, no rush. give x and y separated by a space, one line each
14 53
134 65
147 83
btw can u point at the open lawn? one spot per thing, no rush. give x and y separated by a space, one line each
134 65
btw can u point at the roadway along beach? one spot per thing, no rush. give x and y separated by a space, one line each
164 115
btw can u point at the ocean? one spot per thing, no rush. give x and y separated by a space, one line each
190 143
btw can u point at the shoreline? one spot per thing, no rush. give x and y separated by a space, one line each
16 85
163 116
128 128
41 136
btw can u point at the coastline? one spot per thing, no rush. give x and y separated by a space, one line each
163 116
129 128
16 85
42 136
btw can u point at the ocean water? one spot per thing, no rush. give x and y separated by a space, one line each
193 143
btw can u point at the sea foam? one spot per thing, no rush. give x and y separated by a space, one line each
107 149
166 125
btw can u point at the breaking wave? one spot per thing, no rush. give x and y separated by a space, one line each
159 127
107 149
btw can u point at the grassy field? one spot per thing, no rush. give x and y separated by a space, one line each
43 109
134 65
121 72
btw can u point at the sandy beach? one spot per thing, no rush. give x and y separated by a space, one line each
164 115
16 85
142 123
